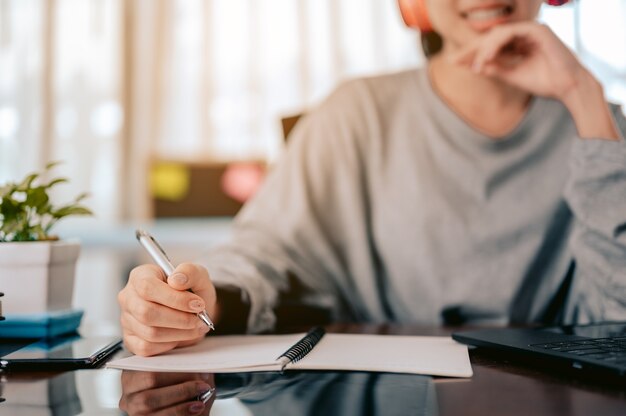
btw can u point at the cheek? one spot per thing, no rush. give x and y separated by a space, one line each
441 14
528 10
447 22
454 30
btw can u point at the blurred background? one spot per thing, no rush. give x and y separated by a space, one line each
173 108
138 96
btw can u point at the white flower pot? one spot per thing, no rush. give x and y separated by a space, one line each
37 277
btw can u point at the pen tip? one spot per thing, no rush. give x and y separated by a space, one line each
139 233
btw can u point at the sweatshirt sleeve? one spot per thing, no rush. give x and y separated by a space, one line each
295 225
596 193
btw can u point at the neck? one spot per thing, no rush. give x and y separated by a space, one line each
487 104
460 82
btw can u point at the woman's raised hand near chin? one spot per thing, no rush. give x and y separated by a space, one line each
529 56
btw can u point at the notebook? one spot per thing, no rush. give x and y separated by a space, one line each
439 356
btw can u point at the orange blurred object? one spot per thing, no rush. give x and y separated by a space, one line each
240 181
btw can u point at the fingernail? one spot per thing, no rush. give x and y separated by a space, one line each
203 388
179 278
196 407
196 305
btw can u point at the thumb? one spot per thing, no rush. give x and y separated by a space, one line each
195 277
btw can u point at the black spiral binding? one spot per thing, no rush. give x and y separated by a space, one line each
301 348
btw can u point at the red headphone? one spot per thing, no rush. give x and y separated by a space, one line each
415 15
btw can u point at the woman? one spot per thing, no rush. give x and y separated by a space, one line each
490 184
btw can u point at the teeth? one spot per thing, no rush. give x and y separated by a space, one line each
487 14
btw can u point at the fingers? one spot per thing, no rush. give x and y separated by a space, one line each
196 278
135 381
504 44
171 395
144 348
147 338
503 49
156 316
156 334
168 396
189 276
148 285
183 409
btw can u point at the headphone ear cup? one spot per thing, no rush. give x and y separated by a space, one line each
415 14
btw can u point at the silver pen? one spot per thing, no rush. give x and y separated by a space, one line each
158 255
206 396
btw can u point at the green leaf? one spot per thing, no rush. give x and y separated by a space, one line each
53 164
80 197
71 210
44 210
37 198
9 209
27 182
26 212
56 182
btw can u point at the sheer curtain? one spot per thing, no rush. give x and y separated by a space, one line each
109 85
61 87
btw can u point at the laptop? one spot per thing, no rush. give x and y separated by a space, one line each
596 349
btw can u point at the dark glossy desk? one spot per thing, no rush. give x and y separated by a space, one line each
499 386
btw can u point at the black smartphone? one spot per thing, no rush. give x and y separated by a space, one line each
68 352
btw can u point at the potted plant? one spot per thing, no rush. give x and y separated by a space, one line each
36 267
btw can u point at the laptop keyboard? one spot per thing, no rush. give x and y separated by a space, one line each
611 350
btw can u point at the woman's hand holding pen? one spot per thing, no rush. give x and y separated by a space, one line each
159 315
529 56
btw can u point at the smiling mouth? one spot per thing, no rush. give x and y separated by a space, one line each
483 15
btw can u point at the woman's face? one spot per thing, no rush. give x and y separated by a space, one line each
460 21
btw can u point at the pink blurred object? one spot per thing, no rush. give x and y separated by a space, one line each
241 180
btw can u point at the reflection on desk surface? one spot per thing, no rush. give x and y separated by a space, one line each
330 393
110 392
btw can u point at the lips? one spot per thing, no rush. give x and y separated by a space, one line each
488 14
483 18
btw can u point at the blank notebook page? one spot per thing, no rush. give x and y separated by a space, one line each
223 354
385 353
389 353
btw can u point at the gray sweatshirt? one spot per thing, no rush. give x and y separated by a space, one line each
388 207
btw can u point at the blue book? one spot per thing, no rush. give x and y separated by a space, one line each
40 325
